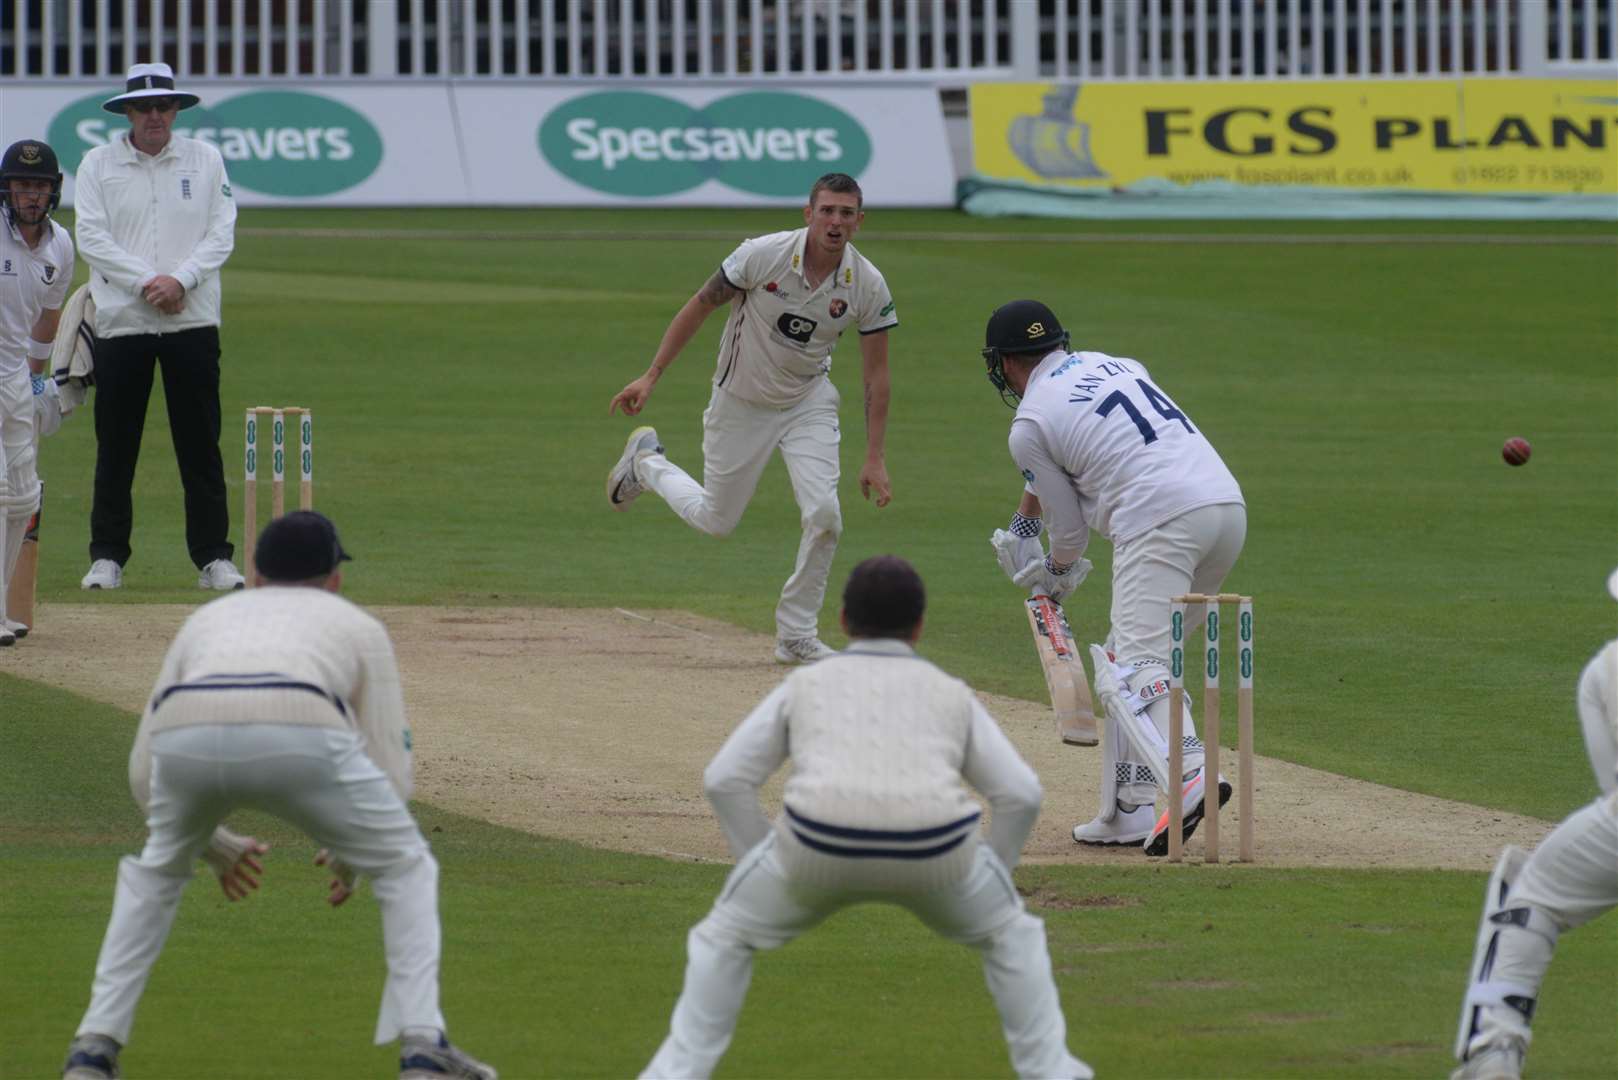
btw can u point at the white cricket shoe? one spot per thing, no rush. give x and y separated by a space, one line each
803 650
1126 829
1158 842
623 486
1499 1060
221 574
104 574
423 1060
6 636
18 629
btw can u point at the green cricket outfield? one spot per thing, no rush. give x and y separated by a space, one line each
1424 613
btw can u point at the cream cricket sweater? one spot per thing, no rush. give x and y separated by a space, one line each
883 746
280 655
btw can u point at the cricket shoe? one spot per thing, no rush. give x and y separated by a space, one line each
104 574
421 1059
802 650
221 574
7 637
1128 828
92 1057
1499 1060
623 485
18 629
1158 842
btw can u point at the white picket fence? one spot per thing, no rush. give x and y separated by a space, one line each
943 42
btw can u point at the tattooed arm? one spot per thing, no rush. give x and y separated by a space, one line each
715 293
874 473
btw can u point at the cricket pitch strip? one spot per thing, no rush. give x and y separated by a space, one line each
595 725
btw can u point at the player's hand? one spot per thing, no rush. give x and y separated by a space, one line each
342 882
874 474
632 398
234 861
165 293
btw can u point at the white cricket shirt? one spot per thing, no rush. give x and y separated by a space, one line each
32 280
141 215
281 654
1105 448
779 337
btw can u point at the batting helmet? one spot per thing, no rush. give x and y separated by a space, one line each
29 159
1019 327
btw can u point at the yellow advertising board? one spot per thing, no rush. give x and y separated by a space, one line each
1471 136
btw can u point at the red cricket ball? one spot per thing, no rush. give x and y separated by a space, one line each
1516 451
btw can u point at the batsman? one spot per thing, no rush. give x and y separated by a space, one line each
36 268
1101 447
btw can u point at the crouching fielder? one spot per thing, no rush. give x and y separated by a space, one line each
875 810
285 699
1571 878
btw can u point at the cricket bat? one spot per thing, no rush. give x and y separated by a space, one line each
1064 672
20 590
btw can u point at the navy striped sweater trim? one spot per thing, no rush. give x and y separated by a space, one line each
266 681
846 832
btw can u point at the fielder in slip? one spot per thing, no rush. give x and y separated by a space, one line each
1101 447
316 734
791 296
876 808
1570 879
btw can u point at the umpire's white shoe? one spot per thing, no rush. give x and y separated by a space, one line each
803 650
623 485
1126 829
1158 842
7 636
1499 1060
420 1059
104 574
92 1057
18 629
221 574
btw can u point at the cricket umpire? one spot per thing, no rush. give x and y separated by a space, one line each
156 222
791 295
876 808
284 699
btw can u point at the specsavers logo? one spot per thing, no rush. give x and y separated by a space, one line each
273 141
640 144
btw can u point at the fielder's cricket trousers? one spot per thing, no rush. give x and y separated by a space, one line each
317 778
761 908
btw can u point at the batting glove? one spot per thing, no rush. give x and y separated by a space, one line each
1052 579
1016 554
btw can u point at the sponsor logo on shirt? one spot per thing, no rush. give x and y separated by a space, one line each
185 187
1028 475
888 310
7 269
795 327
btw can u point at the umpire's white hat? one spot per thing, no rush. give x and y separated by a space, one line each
148 81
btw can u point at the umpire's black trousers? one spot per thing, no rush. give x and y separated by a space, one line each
123 381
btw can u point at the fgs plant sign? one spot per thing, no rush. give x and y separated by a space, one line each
648 145
277 142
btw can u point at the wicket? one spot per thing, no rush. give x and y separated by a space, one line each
306 470
1210 606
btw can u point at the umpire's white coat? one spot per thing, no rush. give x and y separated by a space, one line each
875 809
287 700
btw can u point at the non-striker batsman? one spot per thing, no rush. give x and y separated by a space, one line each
36 268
